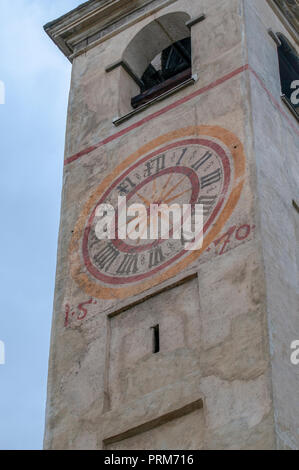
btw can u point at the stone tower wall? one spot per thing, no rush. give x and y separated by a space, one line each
222 377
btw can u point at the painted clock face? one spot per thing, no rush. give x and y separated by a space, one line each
192 169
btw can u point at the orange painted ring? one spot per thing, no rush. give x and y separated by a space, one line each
95 289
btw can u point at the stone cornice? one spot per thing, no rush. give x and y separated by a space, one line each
95 20
288 12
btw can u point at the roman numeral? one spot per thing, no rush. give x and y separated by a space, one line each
129 265
210 179
202 161
106 257
207 202
182 156
125 187
156 257
93 240
156 164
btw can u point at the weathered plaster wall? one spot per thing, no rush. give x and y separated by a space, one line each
95 94
103 381
276 146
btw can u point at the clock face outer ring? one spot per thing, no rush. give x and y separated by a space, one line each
117 280
86 275
179 170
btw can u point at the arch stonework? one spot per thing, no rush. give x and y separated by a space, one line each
153 38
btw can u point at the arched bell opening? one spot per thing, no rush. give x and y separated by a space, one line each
159 57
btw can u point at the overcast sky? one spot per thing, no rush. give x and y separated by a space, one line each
37 78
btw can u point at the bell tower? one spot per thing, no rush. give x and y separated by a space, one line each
154 346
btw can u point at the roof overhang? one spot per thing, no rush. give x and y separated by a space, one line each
94 20
288 13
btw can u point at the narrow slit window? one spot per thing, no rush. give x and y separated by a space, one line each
156 339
